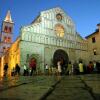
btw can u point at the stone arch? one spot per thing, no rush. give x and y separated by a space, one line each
60 55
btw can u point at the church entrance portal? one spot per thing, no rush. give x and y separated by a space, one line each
60 55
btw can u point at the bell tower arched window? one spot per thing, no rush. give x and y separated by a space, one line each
10 29
5 29
4 49
5 39
9 40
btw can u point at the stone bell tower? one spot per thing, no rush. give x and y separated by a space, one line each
6 33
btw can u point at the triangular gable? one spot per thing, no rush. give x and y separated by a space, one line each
37 20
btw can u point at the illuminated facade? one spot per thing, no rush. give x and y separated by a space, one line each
49 38
6 37
6 34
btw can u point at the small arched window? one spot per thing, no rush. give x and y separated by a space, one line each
9 39
4 49
10 29
5 39
7 48
5 29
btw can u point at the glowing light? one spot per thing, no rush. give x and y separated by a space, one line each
59 29
2 64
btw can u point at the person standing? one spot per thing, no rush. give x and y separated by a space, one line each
90 67
13 71
81 70
17 69
69 68
32 65
76 68
94 66
47 69
25 70
5 69
59 67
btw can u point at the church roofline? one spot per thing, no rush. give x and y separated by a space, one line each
97 30
17 38
51 9
79 35
35 19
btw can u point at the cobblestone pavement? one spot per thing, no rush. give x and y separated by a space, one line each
25 88
84 87
70 88
93 82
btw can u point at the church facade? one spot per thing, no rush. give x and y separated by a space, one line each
51 37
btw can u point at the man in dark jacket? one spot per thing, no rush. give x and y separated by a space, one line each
5 69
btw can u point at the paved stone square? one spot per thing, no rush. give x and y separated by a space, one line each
70 88
25 88
82 87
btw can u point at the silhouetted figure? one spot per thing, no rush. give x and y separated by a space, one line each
5 69
13 72
69 68
32 65
90 67
98 67
17 69
76 68
94 66
26 72
46 69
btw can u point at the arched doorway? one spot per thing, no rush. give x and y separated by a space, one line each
61 55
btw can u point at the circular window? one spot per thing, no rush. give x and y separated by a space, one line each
59 17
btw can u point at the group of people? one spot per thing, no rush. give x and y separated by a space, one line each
53 70
75 68
80 68
15 70
29 70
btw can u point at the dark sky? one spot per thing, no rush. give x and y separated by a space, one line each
85 13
